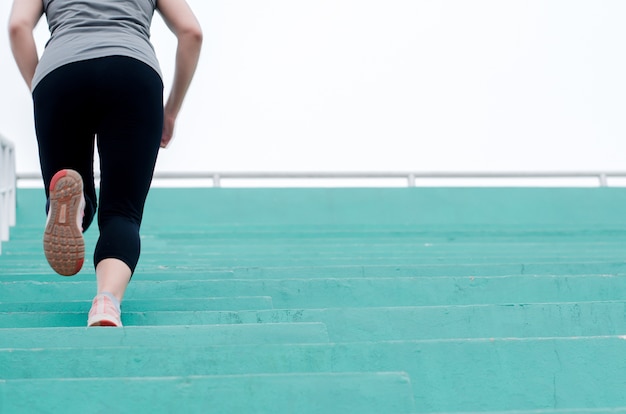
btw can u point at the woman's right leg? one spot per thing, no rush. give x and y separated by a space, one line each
129 135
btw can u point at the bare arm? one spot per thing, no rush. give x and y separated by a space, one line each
180 19
24 17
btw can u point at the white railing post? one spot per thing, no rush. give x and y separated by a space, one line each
411 180
217 180
7 189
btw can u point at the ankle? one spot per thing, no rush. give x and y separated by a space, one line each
113 276
116 301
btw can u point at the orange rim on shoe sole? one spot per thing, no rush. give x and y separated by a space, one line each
63 241
105 322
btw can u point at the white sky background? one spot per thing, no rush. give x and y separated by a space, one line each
393 85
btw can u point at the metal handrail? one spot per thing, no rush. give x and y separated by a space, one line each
601 177
8 184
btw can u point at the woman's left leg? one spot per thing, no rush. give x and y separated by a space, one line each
63 105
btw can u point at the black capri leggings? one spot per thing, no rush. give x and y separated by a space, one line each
118 102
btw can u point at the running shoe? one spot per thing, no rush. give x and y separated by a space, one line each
104 312
63 242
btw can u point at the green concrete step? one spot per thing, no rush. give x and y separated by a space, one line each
542 207
379 324
373 393
254 257
193 271
309 245
556 411
199 270
446 376
502 374
146 305
400 246
221 359
43 273
358 292
169 230
587 268
163 335
353 239
365 257
388 206
160 361
490 299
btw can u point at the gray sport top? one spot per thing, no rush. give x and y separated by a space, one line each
88 29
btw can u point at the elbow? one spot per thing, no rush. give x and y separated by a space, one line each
193 34
17 28
198 36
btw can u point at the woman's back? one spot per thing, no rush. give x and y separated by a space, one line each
88 29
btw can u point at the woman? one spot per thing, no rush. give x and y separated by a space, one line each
99 77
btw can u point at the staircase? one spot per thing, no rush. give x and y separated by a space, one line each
386 301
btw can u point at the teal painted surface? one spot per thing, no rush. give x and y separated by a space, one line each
483 300
165 335
363 292
171 304
574 208
455 375
379 324
332 393
557 411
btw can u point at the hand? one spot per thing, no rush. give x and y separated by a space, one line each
168 130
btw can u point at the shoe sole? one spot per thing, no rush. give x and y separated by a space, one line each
103 320
63 242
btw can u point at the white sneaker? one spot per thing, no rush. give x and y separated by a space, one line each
104 312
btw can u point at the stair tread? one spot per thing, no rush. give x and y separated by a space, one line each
350 292
474 371
165 335
143 305
276 393
393 323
